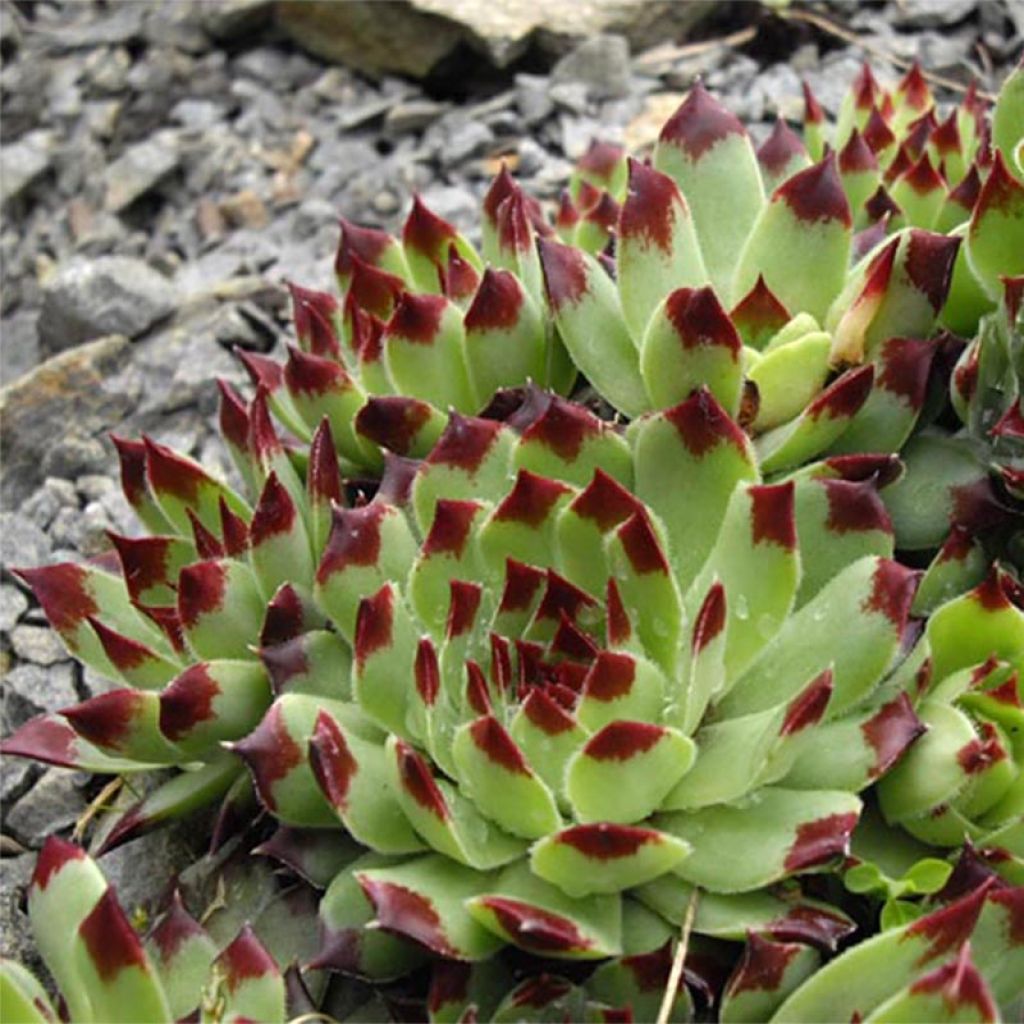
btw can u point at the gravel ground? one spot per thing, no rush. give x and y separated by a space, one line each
163 171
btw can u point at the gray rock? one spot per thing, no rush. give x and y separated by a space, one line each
94 486
48 500
85 531
532 98
15 932
38 645
417 35
52 804
413 115
197 114
72 456
571 96
464 141
23 162
76 396
15 776
229 20
600 63
139 169
19 345
22 543
47 689
87 299
932 13
12 604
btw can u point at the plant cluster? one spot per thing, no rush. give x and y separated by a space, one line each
716 669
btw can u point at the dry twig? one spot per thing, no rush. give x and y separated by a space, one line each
676 974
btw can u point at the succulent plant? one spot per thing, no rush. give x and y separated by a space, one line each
106 973
568 684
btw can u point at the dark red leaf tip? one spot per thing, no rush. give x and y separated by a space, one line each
890 731
610 677
465 442
400 909
531 499
703 424
608 842
856 156
951 926
809 706
374 620
710 619
56 852
494 741
546 714
368 244
892 592
417 318
759 313
781 146
427 233
331 761
393 421
762 966
201 588
417 780
63 592
652 206
497 303
813 114
246 958
641 545
451 527
536 929
819 841
700 321
275 512
371 290
170 473
601 160
188 701
271 754
699 123
427 671
174 929
565 273
621 740
233 416
110 940
854 506
124 653
962 986
312 375
913 88
522 584
1001 192
773 514
605 502
463 605
845 395
354 539
105 720
816 194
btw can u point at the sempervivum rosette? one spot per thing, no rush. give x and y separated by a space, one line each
104 971
545 693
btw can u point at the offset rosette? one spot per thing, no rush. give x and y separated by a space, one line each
105 971
965 777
